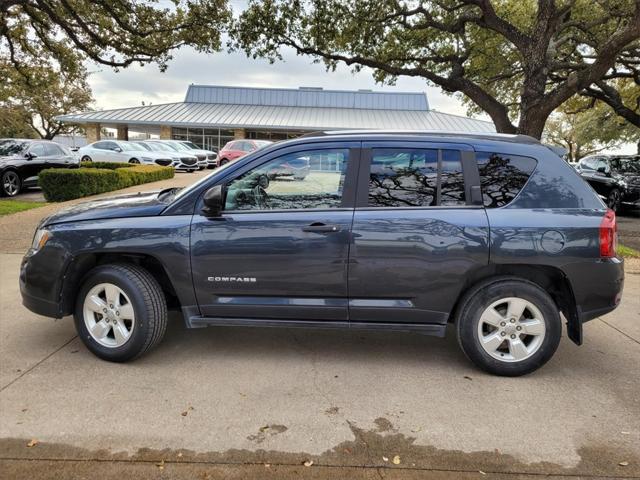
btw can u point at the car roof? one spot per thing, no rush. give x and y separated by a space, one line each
373 134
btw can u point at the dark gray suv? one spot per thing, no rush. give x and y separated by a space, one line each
491 235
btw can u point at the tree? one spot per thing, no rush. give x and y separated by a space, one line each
116 33
515 60
30 102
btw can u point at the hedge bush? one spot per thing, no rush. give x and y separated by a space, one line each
60 184
107 165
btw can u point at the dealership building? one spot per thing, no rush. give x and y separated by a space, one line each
210 116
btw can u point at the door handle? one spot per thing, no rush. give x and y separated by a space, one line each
319 227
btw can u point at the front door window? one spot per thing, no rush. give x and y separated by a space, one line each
289 183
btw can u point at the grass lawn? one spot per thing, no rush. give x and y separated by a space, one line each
628 252
8 207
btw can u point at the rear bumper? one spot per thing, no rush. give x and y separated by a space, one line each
597 286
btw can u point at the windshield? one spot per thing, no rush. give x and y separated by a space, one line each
144 145
626 165
12 147
179 146
128 146
160 147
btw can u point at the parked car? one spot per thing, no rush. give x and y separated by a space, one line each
239 148
490 235
180 147
296 168
616 178
212 155
180 161
22 160
122 151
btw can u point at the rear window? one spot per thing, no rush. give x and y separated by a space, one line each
502 176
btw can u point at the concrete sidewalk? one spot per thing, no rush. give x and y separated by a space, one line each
228 400
257 403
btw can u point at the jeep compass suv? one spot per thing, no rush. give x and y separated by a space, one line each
493 236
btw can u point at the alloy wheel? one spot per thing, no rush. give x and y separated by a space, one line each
511 329
109 315
11 183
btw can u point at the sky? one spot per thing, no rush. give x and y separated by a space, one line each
132 86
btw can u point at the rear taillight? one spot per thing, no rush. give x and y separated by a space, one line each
608 235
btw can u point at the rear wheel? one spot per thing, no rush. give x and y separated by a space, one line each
224 161
86 158
134 161
11 183
508 326
121 312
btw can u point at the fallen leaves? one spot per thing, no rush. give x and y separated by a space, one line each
624 464
186 412
32 443
160 465
396 460
307 463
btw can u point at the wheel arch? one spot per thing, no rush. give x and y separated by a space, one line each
82 264
551 279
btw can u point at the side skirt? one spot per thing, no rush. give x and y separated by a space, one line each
424 329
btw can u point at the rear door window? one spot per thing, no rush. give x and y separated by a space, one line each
415 177
502 176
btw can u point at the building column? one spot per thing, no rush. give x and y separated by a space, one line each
92 131
123 132
165 132
239 133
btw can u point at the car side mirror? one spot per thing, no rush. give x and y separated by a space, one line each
214 201
117 149
30 155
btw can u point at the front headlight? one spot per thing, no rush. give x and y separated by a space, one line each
40 239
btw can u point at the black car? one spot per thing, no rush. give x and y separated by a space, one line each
493 236
21 160
616 178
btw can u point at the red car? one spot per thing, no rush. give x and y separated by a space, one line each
239 148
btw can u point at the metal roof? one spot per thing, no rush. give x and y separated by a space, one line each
272 117
307 97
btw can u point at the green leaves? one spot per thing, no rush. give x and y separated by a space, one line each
117 33
516 61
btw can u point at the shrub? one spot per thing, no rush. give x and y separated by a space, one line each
59 184
107 165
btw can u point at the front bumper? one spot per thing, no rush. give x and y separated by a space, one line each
42 275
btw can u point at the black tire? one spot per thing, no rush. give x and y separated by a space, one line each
613 199
11 183
148 302
224 161
134 161
86 158
480 297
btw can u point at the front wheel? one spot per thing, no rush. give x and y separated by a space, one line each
11 183
86 158
121 312
508 326
135 161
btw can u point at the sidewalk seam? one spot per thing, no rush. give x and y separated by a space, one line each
619 331
38 363
364 467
